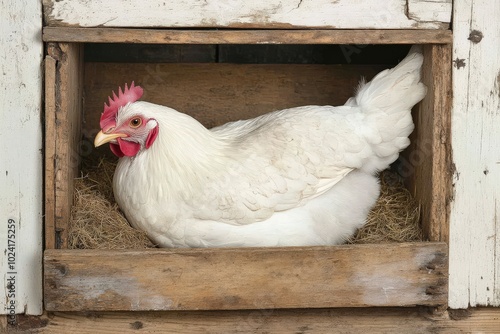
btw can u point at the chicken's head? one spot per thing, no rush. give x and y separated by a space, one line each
126 130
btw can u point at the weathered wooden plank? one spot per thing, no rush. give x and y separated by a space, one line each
430 10
436 225
159 36
150 53
50 152
218 93
21 157
427 163
69 83
4 323
475 232
331 321
368 54
246 278
340 14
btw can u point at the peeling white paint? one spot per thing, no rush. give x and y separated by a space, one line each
342 14
395 290
100 288
21 156
430 10
474 221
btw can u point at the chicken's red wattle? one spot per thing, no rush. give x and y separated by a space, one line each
124 148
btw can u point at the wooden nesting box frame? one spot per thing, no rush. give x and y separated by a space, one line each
405 274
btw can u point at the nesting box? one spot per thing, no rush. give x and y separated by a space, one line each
404 274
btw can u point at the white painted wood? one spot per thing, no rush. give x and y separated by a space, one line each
342 14
475 212
21 177
430 10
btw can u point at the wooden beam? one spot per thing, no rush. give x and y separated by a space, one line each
21 157
257 14
3 323
50 152
171 36
438 74
69 87
475 210
246 278
428 159
328 321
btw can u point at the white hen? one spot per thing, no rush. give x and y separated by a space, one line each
300 176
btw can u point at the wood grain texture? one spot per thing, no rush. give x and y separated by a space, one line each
218 93
328 321
50 152
437 226
475 213
339 14
162 36
69 83
3 323
246 278
368 320
427 164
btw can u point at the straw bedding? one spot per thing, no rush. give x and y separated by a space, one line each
97 222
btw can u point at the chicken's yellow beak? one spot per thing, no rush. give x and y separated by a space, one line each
103 138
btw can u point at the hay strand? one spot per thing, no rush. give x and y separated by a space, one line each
96 220
395 216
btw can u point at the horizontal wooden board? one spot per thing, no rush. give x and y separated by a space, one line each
246 53
246 278
368 54
163 36
328 321
339 14
150 53
218 93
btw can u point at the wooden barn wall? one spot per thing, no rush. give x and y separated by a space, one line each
339 14
475 222
21 53
475 212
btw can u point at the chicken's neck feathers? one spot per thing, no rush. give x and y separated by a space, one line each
182 157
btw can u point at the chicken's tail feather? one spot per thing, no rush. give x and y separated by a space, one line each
387 101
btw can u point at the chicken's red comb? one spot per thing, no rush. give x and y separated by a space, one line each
128 95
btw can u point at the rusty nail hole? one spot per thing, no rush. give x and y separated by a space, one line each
475 36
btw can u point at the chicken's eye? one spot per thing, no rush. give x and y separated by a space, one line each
135 122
